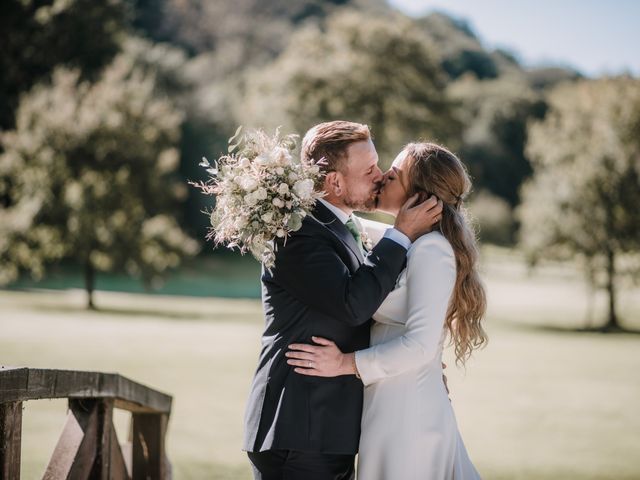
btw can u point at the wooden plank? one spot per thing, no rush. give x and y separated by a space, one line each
75 452
118 469
10 440
148 444
20 384
100 469
109 464
13 382
127 452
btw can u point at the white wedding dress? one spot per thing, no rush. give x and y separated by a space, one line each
409 430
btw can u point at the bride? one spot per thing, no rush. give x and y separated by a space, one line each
409 429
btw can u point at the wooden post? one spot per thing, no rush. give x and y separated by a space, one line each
148 446
10 440
75 452
109 463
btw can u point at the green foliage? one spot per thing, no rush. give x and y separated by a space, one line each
38 35
378 71
460 49
495 218
496 113
583 198
236 33
91 172
547 77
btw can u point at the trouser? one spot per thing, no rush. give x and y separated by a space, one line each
294 465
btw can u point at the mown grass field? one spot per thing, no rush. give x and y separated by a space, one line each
542 401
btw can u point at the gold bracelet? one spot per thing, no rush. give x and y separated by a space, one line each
355 366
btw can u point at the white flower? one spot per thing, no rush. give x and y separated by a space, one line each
283 189
267 217
366 241
289 204
280 171
246 182
245 163
303 188
293 176
250 183
261 193
241 222
262 159
281 233
250 199
278 202
280 155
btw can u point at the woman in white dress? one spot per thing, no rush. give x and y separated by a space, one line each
409 430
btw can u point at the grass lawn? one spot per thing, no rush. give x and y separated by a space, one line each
537 403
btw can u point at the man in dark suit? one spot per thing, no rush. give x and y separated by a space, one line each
324 284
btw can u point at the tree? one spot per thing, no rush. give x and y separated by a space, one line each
584 196
253 31
365 68
91 169
460 49
496 113
38 35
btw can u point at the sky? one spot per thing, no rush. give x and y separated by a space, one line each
594 36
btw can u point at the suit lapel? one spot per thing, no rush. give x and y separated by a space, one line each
324 215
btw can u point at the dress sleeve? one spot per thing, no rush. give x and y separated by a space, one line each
431 273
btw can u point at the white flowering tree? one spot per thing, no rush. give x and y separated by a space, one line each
582 201
91 172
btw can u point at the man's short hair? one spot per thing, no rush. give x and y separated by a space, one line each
330 140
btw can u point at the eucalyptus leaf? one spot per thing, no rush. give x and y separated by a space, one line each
235 135
295 222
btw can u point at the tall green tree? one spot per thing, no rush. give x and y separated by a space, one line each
584 196
91 167
376 70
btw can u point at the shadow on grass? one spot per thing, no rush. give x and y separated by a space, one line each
561 329
213 471
152 314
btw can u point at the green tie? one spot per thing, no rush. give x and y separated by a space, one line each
351 226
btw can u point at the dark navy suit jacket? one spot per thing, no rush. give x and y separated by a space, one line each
320 285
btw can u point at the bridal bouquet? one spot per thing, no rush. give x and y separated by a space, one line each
261 193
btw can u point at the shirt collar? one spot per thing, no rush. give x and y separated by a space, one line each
341 214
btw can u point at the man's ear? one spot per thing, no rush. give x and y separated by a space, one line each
334 183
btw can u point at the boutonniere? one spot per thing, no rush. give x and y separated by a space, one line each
366 241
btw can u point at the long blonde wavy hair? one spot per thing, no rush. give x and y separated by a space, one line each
435 170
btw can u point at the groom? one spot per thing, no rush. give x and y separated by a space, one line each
324 284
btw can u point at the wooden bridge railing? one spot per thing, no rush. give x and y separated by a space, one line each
88 447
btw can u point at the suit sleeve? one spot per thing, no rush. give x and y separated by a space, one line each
431 273
310 268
